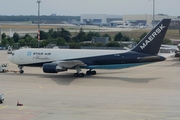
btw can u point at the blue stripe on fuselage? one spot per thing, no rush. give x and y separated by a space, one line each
116 66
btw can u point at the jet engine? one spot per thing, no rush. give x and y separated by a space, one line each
53 68
178 46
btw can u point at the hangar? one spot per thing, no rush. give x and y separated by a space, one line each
145 19
100 18
124 20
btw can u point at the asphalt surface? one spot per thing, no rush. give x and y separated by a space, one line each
150 92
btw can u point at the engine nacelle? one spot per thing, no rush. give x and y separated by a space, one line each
178 47
53 68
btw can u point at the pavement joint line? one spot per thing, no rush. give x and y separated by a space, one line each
156 111
18 115
10 114
126 111
155 116
3 107
64 108
27 113
22 107
12 91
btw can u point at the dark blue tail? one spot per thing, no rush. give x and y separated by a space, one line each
151 43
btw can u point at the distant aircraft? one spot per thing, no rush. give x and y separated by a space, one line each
77 23
59 60
89 22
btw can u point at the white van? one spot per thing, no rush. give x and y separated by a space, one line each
1 98
9 50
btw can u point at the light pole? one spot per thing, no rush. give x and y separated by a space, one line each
38 1
0 34
153 12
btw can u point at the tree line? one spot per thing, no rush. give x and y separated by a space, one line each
62 37
43 18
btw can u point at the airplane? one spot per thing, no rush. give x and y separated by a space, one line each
59 60
90 22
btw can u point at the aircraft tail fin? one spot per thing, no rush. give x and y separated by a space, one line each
151 43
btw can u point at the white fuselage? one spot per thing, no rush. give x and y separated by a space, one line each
28 56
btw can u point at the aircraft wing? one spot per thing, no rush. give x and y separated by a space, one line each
70 64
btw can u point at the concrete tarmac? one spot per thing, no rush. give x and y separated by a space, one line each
149 92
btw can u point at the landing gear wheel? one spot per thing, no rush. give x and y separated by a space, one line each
75 74
21 71
20 67
78 74
81 75
88 72
93 72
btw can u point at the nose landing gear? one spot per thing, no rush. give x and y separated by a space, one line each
21 71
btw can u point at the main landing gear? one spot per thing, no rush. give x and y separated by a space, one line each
21 71
90 72
80 74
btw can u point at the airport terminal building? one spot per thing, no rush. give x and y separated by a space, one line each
133 20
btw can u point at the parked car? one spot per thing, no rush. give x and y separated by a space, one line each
1 98
2 48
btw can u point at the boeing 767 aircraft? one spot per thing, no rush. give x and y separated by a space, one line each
59 60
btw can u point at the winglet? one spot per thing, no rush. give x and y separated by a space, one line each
151 43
